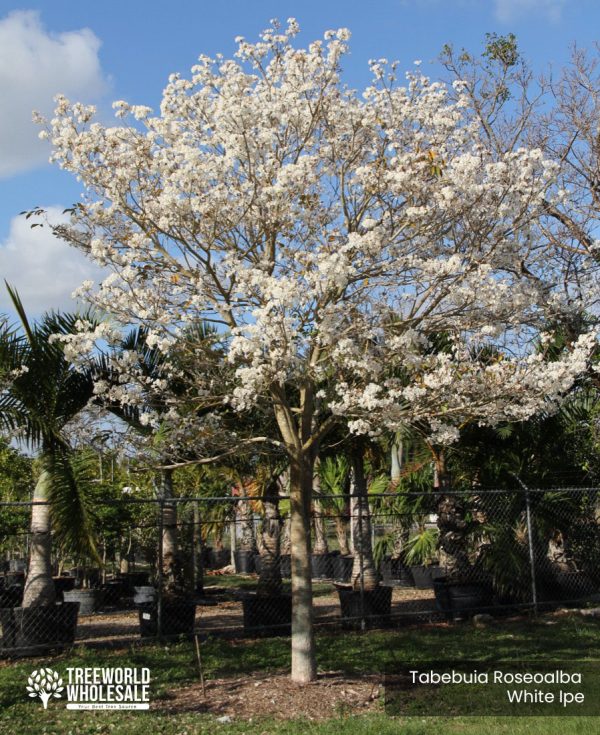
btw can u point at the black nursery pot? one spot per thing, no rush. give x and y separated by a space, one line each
144 595
62 585
178 618
244 562
460 599
574 585
267 615
322 566
374 606
11 596
424 575
219 558
112 591
134 579
34 626
342 568
89 600
395 572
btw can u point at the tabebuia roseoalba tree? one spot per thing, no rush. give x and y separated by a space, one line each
328 233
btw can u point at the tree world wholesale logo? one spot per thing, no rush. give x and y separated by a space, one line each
93 688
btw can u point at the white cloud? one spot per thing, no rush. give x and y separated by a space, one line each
509 11
44 270
35 65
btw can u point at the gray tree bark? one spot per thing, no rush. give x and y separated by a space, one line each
304 668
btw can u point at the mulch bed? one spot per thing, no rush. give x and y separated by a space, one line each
275 696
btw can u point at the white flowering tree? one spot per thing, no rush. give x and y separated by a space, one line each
332 236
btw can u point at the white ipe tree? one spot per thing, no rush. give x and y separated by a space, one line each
333 236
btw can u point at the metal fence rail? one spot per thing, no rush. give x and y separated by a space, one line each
222 566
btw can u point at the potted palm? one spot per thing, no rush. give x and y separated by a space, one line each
45 393
364 600
421 556
88 595
268 611
334 479
392 567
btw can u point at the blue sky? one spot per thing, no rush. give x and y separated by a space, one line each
99 52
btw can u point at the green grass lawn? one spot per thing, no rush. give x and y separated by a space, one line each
565 638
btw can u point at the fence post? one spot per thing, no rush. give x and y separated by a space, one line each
232 544
361 560
198 549
529 542
159 601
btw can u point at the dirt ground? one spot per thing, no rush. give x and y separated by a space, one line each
225 615
259 695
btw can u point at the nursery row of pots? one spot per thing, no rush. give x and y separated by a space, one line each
89 599
24 627
268 615
336 567
55 625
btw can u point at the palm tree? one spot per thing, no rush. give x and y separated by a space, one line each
334 474
46 391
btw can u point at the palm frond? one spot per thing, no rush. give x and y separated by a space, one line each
421 547
71 476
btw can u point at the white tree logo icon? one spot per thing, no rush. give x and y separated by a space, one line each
45 684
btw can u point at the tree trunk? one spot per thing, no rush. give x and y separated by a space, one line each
197 548
245 525
401 531
364 564
39 586
320 545
304 668
269 580
286 544
453 543
125 553
171 562
341 532
396 461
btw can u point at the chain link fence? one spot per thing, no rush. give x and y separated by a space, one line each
222 566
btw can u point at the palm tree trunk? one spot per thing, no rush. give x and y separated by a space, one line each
364 564
320 545
341 532
453 543
171 567
396 461
286 544
269 580
39 586
245 526
401 532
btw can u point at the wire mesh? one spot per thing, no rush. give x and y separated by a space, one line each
222 566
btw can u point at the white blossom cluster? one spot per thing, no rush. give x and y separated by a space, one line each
334 236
